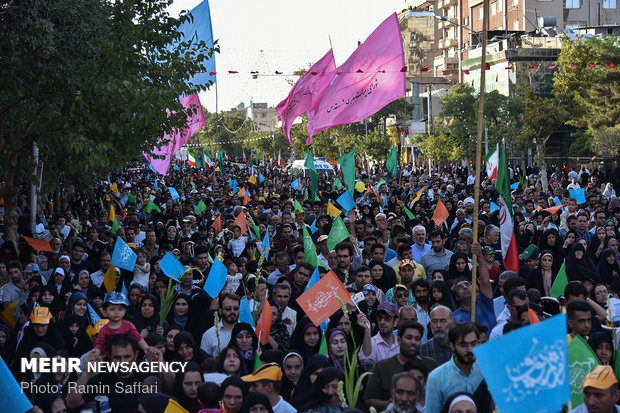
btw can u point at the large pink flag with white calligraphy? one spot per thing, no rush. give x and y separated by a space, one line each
307 92
195 121
372 77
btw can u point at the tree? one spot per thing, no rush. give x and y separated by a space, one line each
85 79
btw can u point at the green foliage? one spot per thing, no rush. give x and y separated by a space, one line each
582 145
607 141
224 132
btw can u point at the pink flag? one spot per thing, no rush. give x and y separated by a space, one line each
307 92
369 79
194 122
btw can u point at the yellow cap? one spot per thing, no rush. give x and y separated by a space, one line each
40 315
269 371
404 263
602 378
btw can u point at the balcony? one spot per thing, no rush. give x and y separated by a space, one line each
447 43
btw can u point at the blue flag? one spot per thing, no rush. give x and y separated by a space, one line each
261 177
515 186
313 227
13 397
346 201
533 376
155 186
314 278
295 184
152 168
266 244
124 200
234 185
124 291
558 203
494 206
171 266
176 167
123 256
579 195
216 278
245 315
94 318
173 193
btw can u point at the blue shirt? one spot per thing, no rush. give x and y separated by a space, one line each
485 312
447 380
417 253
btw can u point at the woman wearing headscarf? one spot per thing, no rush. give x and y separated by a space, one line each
154 402
78 342
459 267
603 345
550 241
292 367
597 244
337 347
49 298
570 238
146 318
232 363
256 403
311 370
579 265
279 332
180 310
379 279
543 276
608 267
78 304
186 387
325 398
306 338
233 391
244 338
186 349
441 294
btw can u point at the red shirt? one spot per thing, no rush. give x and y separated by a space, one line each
106 332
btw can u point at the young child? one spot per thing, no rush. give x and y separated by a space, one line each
233 277
115 307
237 244
370 304
142 270
489 257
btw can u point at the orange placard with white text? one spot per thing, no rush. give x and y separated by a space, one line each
320 301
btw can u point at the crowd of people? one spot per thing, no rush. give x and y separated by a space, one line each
411 279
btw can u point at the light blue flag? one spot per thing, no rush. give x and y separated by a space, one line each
124 200
533 376
196 30
261 177
313 227
494 206
579 195
216 279
176 167
124 291
173 193
155 186
346 200
94 318
234 185
152 197
323 326
171 266
152 168
13 397
558 202
123 256
515 186
266 244
295 184
313 279
245 315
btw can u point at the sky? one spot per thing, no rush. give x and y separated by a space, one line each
282 35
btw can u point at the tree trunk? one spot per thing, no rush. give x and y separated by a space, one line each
9 194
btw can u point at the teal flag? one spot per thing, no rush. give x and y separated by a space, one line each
314 177
392 161
347 163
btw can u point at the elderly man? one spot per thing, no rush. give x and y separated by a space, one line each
405 390
419 247
438 348
600 392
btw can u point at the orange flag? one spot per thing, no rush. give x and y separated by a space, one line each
246 199
217 224
441 213
38 244
554 209
242 192
263 325
319 302
242 222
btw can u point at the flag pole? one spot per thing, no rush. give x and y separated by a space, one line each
483 64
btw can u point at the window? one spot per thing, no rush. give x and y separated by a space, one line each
515 2
466 21
480 13
572 4
515 25
499 6
609 4
493 8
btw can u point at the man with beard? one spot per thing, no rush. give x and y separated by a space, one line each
217 337
438 348
379 386
382 345
405 388
460 374
420 289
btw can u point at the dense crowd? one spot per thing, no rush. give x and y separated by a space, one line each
410 279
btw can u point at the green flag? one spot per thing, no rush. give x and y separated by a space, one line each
338 184
305 194
347 163
581 360
339 232
298 207
408 213
560 282
130 198
314 177
220 159
391 161
309 248
116 225
323 346
200 207
150 206
257 361
192 184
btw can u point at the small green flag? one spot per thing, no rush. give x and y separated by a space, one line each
116 225
200 207
314 177
581 360
339 232
306 194
408 213
391 161
257 361
338 184
560 282
298 207
323 346
256 230
130 198
309 248
150 206
192 184
347 163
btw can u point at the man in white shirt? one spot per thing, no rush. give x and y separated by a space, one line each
281 296
217 337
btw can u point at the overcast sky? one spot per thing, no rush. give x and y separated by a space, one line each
282 35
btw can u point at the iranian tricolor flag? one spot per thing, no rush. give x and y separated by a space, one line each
507 239
245 160
191 159
206 156
492 162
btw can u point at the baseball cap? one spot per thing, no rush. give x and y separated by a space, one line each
602 378
114 297
32 267
400 287
404 263
487 250
389 308
530 252
40 315
322 238
269 371
368 288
